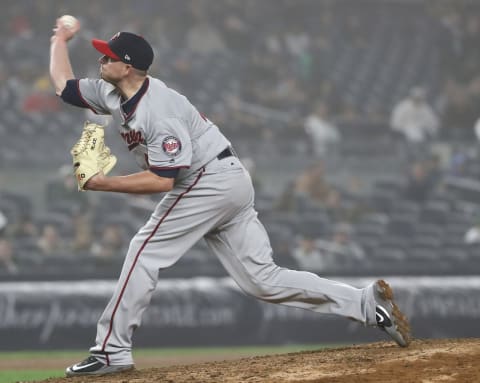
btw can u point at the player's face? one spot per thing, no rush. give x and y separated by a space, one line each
111 70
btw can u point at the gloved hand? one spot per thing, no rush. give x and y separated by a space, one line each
90 154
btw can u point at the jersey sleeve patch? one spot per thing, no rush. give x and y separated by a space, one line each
168 143
171 146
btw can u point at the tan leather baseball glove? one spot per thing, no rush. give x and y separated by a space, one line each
90 154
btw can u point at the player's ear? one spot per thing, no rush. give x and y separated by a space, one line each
128 68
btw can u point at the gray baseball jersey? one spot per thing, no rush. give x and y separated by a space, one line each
212 198
162 129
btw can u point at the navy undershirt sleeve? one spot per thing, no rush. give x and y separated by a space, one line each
71 94
167 173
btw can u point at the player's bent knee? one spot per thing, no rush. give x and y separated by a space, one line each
263 285
261 291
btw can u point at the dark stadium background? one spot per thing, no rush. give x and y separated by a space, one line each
372 204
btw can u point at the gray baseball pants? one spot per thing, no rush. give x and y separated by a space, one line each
216 203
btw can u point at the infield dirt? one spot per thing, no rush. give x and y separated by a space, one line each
425 361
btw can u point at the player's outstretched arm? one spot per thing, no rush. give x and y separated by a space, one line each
60 67
144 182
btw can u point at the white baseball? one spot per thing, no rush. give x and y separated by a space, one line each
68 21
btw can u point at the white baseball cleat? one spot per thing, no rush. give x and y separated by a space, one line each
92 366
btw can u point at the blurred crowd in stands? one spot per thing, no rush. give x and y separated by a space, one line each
375 101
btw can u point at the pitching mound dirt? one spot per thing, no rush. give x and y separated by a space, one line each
425 361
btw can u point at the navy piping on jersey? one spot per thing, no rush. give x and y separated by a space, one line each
129 106
71 95
165 172
139 252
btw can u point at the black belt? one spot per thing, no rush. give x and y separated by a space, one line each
228 152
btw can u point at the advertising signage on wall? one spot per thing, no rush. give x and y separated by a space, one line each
213 311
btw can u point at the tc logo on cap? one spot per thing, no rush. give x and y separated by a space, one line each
127 47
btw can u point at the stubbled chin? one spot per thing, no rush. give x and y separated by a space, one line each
102 76
109 80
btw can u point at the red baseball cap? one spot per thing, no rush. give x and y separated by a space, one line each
127 47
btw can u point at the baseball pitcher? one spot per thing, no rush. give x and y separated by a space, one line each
209 194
